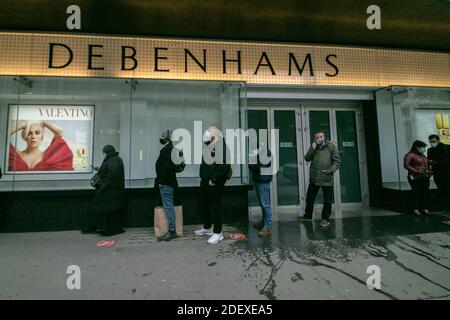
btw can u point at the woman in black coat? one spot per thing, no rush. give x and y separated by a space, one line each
110 194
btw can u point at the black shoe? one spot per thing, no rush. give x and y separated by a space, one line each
89 231
168 236
259 225
305 217
110 234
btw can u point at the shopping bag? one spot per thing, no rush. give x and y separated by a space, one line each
161 224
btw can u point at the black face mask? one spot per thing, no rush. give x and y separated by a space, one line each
162 141
208 143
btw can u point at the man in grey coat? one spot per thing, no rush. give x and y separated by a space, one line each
325 161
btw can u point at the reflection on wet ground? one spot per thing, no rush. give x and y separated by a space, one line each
299 261
293 233
412 253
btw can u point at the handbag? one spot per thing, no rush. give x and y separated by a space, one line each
419 176
95 181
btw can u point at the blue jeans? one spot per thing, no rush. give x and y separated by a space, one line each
167 200
263 191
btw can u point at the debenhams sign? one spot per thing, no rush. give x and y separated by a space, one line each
258 63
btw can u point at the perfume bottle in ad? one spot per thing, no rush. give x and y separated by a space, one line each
80 158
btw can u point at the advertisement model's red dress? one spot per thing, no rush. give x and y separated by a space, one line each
57 157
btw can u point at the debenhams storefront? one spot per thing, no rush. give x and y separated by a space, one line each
81 92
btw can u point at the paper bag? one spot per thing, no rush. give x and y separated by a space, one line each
161 224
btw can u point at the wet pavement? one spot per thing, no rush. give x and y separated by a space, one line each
299 261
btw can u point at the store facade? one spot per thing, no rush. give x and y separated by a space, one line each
125 90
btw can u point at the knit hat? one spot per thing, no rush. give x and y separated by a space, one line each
109 150
166 134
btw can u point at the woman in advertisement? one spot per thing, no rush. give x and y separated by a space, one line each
57 157
419 173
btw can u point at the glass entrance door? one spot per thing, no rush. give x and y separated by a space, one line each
347 140
296 128
286 186
287 179
341 126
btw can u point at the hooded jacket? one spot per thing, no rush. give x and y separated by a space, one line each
325 161
165 168
256 168
111 194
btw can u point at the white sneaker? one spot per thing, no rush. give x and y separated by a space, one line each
204 232
215 238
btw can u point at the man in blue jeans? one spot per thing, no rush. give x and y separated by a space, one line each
262 178
166 181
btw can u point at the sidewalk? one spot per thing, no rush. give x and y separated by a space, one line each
299 261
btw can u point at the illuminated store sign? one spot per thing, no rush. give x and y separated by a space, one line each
32 54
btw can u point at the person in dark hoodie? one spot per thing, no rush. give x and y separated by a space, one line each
166 180
439 156
110 194
214 172
262 179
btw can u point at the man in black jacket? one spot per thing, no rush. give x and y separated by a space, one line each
214 172
439 156
262 178
166 180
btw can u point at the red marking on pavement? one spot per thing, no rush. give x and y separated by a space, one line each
446 222
237 236
105 243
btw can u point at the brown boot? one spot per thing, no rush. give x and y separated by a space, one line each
265 232
324 223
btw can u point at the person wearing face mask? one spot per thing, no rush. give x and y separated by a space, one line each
110 194
325 161
214 172
166 181
419 173
439 157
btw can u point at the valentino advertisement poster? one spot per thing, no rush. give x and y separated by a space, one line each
50 138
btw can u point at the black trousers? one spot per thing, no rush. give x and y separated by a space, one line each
211 205
111 223
420 193
107 224
443 185
327 200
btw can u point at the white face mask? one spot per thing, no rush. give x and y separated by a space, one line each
104 156
421 150
207 136
434 144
